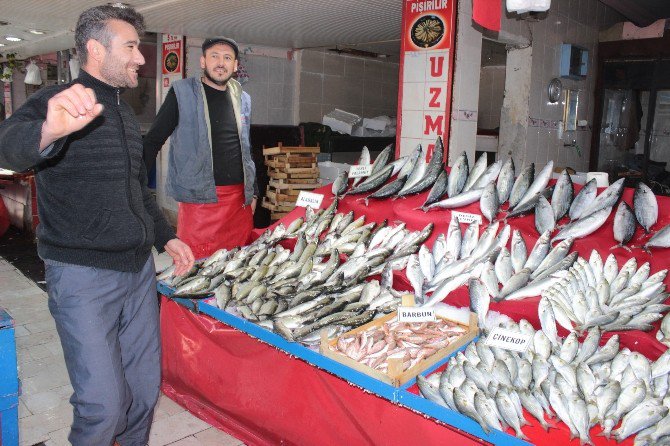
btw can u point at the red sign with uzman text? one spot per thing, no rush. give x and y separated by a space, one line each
426 67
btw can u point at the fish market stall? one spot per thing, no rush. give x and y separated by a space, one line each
247 359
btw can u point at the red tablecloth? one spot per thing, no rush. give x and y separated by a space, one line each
263 396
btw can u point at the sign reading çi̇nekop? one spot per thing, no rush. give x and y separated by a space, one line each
508 340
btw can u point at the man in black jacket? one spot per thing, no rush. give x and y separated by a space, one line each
97 225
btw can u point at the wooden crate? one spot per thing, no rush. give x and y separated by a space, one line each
290 170
395 376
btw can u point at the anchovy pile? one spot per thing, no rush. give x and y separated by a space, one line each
409 342
593 294
297 293
580 384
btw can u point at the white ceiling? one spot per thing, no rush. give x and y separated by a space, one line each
372 25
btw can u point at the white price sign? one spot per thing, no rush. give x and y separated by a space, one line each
464 217
416 314
508 340
310 199
360 171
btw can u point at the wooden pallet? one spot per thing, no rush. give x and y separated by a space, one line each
280 184
281 206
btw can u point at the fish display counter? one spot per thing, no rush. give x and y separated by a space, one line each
589 291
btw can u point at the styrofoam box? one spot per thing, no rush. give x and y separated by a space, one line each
341 121
329 170
577 178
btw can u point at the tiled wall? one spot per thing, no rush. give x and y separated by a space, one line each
270 83
491 93
362 86
568 21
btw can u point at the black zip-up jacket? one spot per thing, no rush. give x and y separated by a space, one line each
93 202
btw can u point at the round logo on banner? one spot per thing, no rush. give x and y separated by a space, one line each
171 62
427 31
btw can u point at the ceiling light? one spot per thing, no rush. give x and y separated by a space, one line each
2 44
13 39
36 31
119 5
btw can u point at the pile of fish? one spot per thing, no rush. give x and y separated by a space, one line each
300 292
593 294
409 343
580 384
484 262
414 175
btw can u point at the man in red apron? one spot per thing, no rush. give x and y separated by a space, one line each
210 170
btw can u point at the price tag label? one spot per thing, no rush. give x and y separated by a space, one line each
464 217
360 171
416 314
310 199
508 340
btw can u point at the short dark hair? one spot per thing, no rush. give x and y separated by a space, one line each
92 24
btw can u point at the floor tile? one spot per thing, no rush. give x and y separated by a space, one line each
173 428
215 437
166 408
44 401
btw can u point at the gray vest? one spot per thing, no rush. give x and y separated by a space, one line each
190 176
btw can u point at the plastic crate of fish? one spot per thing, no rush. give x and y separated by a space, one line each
404 364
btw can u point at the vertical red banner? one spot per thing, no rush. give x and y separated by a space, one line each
172 61
426 74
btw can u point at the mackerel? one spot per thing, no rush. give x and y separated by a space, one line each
438 190
584 226
607 199
505 181
583 200
545 219
646 206
624 225
457 201
476 172
562 197
458 176
538 185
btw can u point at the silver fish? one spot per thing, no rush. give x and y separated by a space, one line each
457 201
545 219
583 200
476 172
539 251
584 226
624 224
433 169
372 182
488 203
562 197
438 190
490 175
518 251
382 159
516 282
521 185
503 266
659 240
458 175
341 183
538 185
479 300
607 199
548 320
646 206
469 240
505 181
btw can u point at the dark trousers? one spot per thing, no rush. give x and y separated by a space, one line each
108 326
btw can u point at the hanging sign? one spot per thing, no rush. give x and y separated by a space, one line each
172 61
426 67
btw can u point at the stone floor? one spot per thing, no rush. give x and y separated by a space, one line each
45 413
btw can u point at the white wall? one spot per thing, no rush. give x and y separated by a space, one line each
491 93
568 21
366 87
